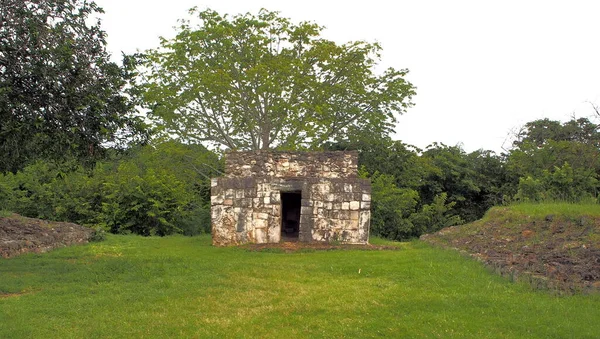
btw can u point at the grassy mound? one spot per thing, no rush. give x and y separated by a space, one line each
551 245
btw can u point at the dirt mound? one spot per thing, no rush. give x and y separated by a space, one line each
552 252
20 235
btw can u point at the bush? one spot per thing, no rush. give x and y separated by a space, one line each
154 191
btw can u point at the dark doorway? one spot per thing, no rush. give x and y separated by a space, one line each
290 215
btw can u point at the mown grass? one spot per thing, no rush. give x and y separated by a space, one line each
131 286
557 209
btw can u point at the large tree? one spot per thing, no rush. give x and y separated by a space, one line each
60 96
261 81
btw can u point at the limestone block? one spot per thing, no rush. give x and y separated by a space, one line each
366 197
267 200
354 205
274 234
264 216
364 220
216 200
365 205
239 194
276 210
228 202
354 215
345 205
229 194
214 182
260 235
259 223
347 188
344 215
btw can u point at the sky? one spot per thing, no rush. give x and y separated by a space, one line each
482 68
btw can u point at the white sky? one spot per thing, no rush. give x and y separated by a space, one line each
481 68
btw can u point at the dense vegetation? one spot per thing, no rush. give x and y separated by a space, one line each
177 286
73 149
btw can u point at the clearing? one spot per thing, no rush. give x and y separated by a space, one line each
130 286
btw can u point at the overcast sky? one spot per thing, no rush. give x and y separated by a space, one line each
481 68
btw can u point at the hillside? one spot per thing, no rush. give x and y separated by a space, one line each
550 245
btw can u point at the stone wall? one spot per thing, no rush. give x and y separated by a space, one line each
246 207
291 164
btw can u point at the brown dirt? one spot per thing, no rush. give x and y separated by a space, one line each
557 253
21 235
295 246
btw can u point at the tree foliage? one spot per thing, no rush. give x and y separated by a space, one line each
555 161
154 190
262 82
59 93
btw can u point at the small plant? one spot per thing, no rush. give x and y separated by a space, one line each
4 213
98 235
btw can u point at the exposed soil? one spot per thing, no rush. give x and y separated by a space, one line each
20 235
551 252
295 246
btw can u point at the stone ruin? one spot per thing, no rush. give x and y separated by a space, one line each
272 197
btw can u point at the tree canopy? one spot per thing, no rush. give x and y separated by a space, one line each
59 93
261 82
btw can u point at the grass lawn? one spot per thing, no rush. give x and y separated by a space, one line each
130 286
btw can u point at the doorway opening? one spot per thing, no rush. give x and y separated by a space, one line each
290 215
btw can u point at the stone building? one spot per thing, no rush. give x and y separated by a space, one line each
269 197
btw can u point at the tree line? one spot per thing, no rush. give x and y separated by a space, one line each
130 147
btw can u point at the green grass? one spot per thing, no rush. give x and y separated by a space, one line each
557 209
130 287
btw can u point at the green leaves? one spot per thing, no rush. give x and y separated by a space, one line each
260 81
156 190
556 161
60 96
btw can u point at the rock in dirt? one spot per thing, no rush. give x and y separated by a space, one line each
21 234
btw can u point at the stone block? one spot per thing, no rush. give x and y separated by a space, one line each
354 205
228 202
260 235
354 215
344 215
345 205
274 234
366 197
259 223
216 200
365 205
